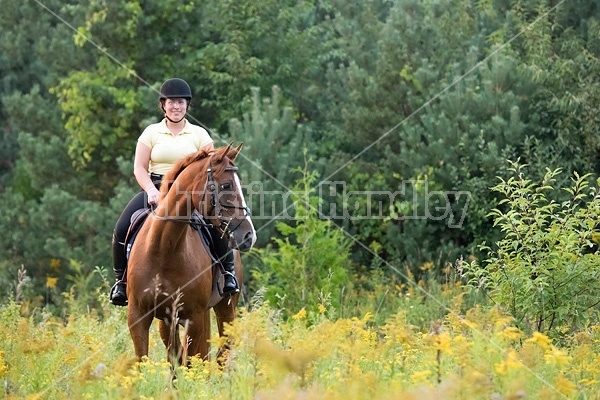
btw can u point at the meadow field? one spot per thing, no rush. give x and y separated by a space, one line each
477 353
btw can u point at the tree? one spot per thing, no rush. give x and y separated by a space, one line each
445 94
274 144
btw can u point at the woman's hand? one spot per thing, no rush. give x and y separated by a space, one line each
153 195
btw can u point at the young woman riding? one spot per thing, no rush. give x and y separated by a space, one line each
159 147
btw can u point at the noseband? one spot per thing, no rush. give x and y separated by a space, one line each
224 222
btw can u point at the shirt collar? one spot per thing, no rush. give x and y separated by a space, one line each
164 129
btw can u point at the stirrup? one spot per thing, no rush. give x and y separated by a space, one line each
235 290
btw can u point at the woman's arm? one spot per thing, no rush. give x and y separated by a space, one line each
141 165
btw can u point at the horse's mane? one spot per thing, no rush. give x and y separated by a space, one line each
169 178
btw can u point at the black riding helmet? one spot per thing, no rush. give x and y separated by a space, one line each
175 88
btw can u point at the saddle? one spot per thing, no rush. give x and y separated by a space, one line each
198 223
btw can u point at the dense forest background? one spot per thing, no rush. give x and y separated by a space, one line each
426 100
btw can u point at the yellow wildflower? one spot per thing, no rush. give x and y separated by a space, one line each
470 324
509 364
588 382
565 386
541 340
511 333
51 282
322 308
557 357
461 341
502 322
301 314
420 376
370 338
427 266
3 367
442 342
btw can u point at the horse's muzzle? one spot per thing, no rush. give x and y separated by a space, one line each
244 243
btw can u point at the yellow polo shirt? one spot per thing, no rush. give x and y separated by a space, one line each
167 149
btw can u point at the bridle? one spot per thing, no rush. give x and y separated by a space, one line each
224 222
213 187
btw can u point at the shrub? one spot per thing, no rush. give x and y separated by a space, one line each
545 268
309 266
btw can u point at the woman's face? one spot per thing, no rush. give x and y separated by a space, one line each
175 108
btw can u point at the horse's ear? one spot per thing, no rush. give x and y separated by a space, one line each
224 152
233 153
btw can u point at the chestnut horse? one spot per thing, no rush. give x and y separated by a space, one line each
170 274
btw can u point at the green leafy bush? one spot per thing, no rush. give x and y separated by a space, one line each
545 268
309 266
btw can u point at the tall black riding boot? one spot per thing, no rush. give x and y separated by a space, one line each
225 254
118 293
230 287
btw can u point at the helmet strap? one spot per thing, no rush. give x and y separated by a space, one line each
173 121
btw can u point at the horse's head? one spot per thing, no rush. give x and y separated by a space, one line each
228 210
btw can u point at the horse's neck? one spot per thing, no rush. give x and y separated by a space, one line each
177 206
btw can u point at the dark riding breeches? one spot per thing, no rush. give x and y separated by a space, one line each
138 202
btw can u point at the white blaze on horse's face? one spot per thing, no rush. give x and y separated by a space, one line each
238 188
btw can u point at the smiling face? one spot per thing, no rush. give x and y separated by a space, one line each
175 108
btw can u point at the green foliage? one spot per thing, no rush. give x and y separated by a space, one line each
382 290
86 289
99 112
273 146
544 270
561 54
309 267
435 93
379 92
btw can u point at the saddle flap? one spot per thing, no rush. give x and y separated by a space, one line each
137 220
217 267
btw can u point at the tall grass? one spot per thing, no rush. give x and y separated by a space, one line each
463 353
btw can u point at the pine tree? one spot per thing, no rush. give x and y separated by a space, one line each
274 144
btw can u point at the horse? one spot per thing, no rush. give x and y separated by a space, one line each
170 273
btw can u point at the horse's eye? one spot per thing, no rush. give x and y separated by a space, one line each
226 186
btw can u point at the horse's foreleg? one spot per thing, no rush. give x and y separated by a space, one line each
169 333
225 314
198 334
139 326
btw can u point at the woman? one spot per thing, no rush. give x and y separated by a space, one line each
159 148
